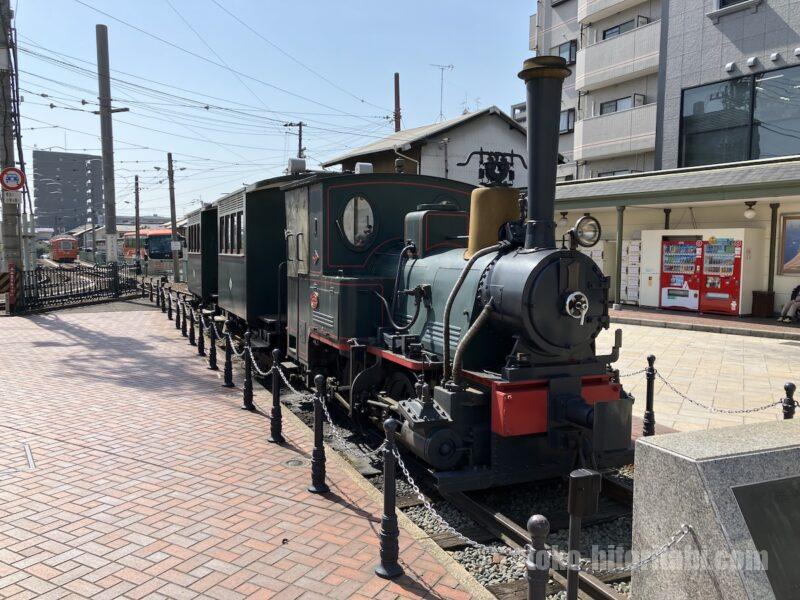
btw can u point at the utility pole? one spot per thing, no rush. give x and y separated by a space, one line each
299 126
171 177
136 215
12 234
397 101
107 137
442 69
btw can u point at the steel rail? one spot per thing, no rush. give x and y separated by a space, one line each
591 588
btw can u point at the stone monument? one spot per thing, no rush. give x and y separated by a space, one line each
738 488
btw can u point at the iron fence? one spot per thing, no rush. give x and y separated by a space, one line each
46 287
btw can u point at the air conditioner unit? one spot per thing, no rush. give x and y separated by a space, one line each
297 165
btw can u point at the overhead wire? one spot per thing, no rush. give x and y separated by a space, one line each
293 58
208 60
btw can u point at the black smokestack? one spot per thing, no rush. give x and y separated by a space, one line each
543 76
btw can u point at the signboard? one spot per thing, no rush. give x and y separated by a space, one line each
175 246
772 514
12 179
12 197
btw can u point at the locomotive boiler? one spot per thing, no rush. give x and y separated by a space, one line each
475 329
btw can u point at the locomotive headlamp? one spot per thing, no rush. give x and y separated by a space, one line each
586 232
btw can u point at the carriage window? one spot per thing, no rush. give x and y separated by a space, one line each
358 222
232 225
219 231
239 232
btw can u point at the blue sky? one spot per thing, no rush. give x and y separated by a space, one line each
328 63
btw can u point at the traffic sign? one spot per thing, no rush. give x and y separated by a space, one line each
12 197
12 179
175 246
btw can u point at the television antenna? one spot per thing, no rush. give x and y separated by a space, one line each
442 69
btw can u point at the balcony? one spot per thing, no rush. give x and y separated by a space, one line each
594 10
628 56
630 131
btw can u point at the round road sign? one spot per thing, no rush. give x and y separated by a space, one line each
12 179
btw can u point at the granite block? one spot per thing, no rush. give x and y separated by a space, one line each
688 478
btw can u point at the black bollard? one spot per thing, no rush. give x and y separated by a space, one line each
789 403
318 485
168 299
159 304
151 291
276 416
389 568
247 386
177 311
191 327
537 565
212 345
144 289
228 370
649 421
583 501
201 338
183 320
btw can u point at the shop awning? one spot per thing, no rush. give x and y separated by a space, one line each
751 180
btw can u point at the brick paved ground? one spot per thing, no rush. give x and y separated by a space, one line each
150 482
725 370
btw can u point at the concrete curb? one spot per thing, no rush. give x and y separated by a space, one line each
453 567
780 335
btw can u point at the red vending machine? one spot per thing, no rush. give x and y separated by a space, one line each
722 276
681 261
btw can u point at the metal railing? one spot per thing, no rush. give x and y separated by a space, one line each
47 287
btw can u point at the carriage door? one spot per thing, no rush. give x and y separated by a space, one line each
296 265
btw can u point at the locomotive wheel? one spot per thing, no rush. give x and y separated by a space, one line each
399 386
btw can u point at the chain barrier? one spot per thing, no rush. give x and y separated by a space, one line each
708 407
504 550
674 540
254 364
236 353
726 411
335 431
632 373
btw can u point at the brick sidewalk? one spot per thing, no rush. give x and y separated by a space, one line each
150 482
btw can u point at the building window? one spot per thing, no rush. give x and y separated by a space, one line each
619 104
567 51
567 121
612 32
726 3
747 118
613 173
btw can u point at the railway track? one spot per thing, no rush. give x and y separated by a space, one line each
491 525
505 529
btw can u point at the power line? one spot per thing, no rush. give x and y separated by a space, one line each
296 60
141 78
206 59
215 53
158 93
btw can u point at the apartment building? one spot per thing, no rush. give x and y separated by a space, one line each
66 187
608 121
725 133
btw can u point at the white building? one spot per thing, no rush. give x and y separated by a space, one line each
437 149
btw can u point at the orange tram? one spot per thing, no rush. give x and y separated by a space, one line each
64 248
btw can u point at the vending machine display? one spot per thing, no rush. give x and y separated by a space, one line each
680 273
721 278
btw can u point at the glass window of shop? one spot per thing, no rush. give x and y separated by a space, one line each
739 119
